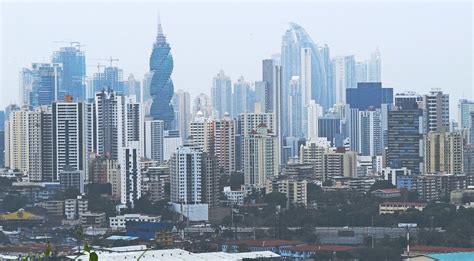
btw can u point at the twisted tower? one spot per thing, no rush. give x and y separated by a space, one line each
161 85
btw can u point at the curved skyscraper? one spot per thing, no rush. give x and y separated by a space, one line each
161 85
315 72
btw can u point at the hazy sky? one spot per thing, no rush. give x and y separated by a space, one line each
423 45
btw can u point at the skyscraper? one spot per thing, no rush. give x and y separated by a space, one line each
369 95
153 140
41 84
132 87
161 85
444 153
311 123
370 133
344 76
260 154
40 145
240 97
264 94
68 136
405 137
293 41
202 103
465 107
186 175
73 71
224 144
436 105
130 173
108 123
374 67
221 94
16 137
361 71
182 112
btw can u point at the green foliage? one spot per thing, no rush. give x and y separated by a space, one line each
145 206
93 257
275 199
382 184
4 239
101 204
96 189
12 203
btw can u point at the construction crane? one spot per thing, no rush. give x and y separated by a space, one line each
110 60
72 43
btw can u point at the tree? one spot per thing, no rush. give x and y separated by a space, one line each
275 199
382 184
236 180
12 203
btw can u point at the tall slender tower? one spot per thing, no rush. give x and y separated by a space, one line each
161 85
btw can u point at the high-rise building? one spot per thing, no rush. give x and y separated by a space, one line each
471 135
361 71
305 78
262 96
221 94
186 175
329 127
130 173
108 123
465 107
295 108
182 112
260 156
294 41
313 112
241 99
16 138
153 140
266 88
405 137
369 95
313 154
370 133
444 153
468 159
224 144
202 133
202 103
68 136
73 76
210 179
40 145
344 76
436 106
69 178
374 67
339 164
110 78
132 87
41 84
161 85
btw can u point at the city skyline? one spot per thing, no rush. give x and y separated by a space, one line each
195 66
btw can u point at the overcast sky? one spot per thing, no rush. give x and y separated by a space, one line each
423 45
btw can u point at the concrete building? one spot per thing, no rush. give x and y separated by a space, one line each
436 105
260 154
234 197
71 179
399 207
118 222
293 188
153 138
444 153
339 163
93 219
313 154
130 173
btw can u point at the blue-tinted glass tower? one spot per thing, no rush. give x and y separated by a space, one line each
73 72
161 85
369 94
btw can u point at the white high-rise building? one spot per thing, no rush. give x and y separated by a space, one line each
221 94
295 107
40 144
16 146
202 103
370 133
182 112
153 140
130 173
201 133
306 76
344 76
241 97
374 67
260 156
68 136
313 112
186 175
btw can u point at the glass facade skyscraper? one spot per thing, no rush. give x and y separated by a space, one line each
293 41
73 72
161 85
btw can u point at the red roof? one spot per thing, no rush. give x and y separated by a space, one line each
440 249
392 190
315 248
267 243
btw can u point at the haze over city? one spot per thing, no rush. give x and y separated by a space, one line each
422 46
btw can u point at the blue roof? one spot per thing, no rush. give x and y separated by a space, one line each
459 256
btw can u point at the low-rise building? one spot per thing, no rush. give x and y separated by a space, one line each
308 251
387 193
395 207
273 245
53 207
118 222
74 208
235 197
93 219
